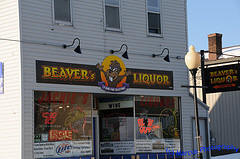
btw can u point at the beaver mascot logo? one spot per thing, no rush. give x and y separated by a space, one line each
113 74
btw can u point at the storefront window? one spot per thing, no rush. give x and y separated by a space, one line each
116 125
157 124
62 124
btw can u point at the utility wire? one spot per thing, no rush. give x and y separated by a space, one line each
38 43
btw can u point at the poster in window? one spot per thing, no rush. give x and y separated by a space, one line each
62 119
157 123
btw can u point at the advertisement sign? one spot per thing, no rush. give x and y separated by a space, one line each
44 150
66 73
111 75
120 147
62 149
222 78
151 79
157 145
82 148
59 135
62 116
115 105
1 78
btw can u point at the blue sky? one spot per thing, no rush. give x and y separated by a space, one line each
213 16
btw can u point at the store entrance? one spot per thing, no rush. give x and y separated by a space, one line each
137 126
116 126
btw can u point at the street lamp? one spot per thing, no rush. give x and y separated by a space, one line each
193 61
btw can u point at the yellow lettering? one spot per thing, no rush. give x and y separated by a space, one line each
145 78
159 79
70 73
152 78
63 73
54 72
84 74
46 71
212 74
165 80
77 71
92 76
135 78
140 77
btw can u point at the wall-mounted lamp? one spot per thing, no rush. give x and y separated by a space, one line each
125 54
166 58
77 49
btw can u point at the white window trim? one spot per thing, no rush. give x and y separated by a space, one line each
161 21
120 17
59 22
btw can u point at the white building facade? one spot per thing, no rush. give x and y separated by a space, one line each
57 103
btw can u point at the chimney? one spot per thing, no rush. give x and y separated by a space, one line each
214 46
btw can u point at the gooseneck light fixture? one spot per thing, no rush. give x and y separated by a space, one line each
77 49
166 58
125 54
193 61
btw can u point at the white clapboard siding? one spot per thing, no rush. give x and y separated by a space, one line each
88 25
10 101
224 115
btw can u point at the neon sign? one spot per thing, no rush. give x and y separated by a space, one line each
146 125
50 117
58 135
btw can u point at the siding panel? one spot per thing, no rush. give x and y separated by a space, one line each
10 101
96 43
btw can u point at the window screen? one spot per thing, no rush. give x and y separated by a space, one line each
62 11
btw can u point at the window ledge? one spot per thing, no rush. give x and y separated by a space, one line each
62 23
113 30
154 35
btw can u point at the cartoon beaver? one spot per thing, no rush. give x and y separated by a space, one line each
112 74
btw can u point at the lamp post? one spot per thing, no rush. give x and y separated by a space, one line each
193 61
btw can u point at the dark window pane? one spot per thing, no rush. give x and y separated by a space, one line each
112 17
116 125
154 23
62 10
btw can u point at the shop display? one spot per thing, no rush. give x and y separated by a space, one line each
62 124
157 124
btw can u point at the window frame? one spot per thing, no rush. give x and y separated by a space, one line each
105 19
33 119
60 22
160 16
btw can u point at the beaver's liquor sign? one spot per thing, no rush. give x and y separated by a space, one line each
111 75
222 78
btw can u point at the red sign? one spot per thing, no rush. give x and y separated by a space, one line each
62 97
146 125
58 135
151 101
50 117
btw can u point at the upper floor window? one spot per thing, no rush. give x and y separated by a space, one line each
62 11
112 14
153 13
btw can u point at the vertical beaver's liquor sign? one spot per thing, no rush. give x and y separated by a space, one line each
222 78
